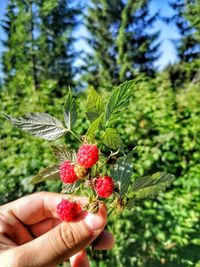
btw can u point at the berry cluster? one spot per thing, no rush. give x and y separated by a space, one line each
87 156
70 172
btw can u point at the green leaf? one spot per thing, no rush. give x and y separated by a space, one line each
151 185
90 134
70 188
70 113
130 203
118 100
49 173
94 106
111 139
39 124
121 172
62 153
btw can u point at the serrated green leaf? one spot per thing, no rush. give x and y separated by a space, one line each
70 113
62 153
121 172
151 185
94 106
70 188
49 173
118 100
90 134
130 203
39 124
111 139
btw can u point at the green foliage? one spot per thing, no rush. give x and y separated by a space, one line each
118 100
70 113
49 173
162 121
63 154
41 125
94 105
90 134
111 139
187 71
49 128
121 173
192 12
150 185
164 125
70 188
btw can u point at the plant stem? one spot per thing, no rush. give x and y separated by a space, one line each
77 138
110 212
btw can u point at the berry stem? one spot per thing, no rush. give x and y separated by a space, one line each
77 138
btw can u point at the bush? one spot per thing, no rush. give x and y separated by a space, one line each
164 124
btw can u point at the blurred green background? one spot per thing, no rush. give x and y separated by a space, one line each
48 45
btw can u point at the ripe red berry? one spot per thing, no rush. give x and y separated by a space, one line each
104 186
67 174
67 210
88 155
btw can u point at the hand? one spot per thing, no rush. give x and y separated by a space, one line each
32 235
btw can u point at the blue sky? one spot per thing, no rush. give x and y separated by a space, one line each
167 32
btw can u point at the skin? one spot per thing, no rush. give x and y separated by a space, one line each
32 235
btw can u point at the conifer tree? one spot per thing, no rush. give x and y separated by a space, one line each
102 22
122 45
20 58
58 22
39 43
188 47
137 46
192 13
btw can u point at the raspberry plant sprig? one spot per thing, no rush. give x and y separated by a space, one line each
91 171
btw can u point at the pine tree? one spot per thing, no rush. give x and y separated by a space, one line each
8 57
19 62
102 22
192 14
122 45
15 26
58 22
137 47
39 43
188 47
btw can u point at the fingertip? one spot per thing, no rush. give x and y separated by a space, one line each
105 241
79 260
95 222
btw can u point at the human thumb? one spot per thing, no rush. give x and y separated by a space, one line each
63 241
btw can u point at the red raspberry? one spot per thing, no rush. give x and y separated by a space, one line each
67 174
104 186
88 155
67 210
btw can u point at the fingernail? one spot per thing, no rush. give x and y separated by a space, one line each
94 221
